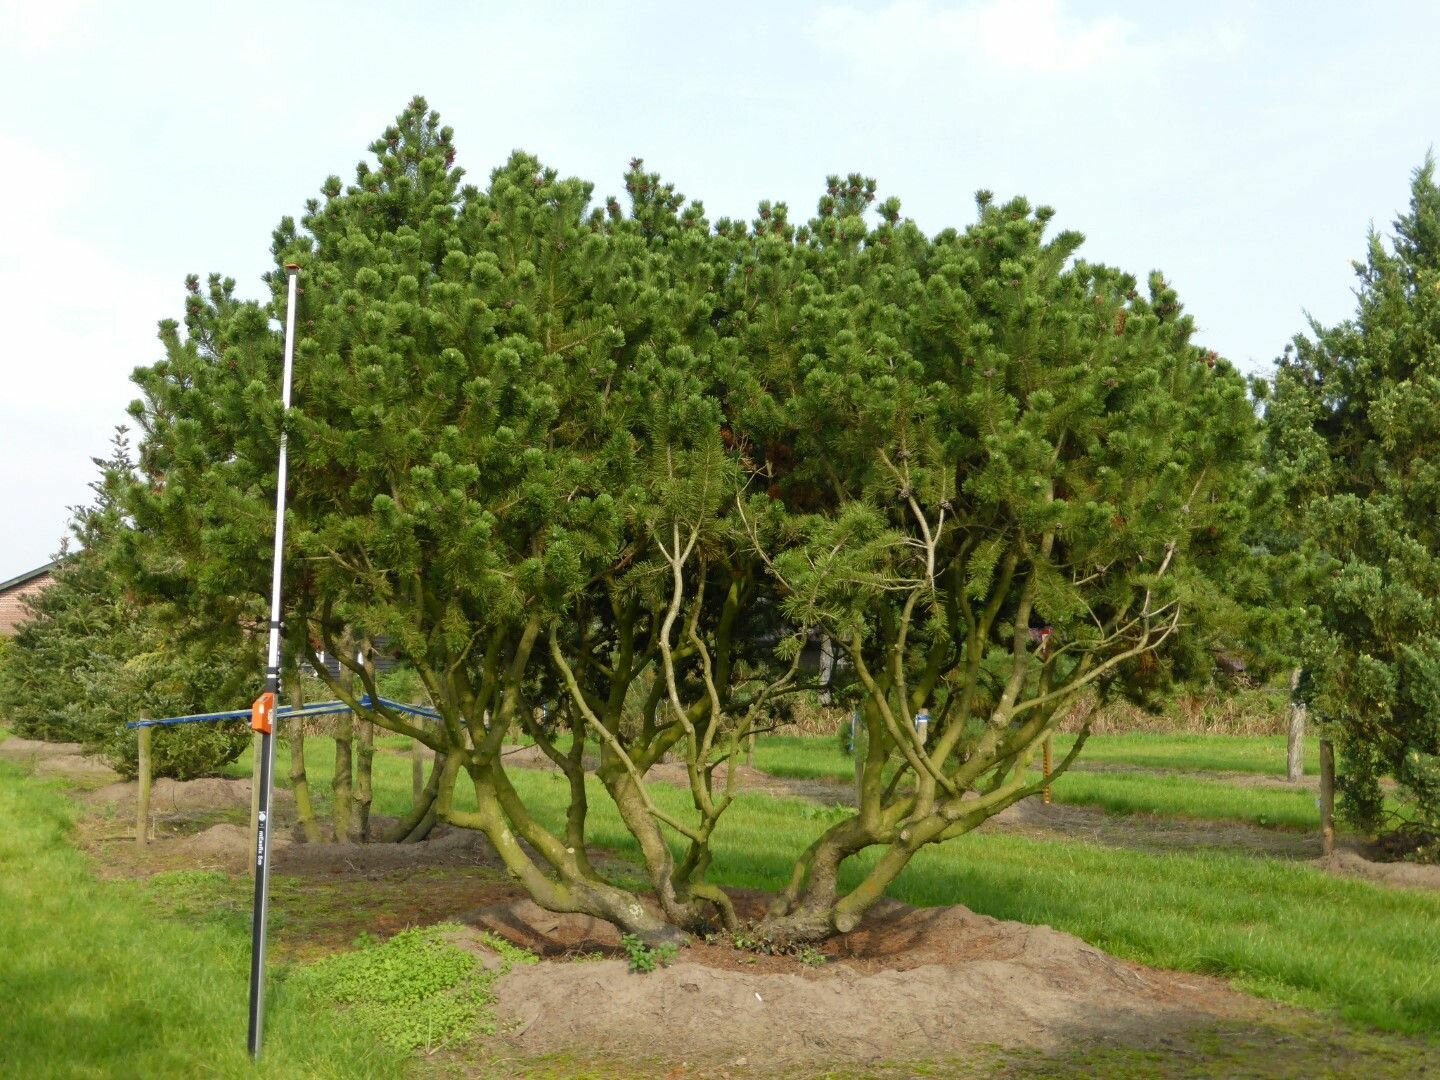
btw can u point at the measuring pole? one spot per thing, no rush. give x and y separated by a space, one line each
262 718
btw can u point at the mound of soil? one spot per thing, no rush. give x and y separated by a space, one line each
1402 875
30 750
63 760
909 984
221 842
174 796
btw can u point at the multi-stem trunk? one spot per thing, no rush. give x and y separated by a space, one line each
299 782
364 763
342 803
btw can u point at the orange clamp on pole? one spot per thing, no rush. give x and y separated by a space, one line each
262 714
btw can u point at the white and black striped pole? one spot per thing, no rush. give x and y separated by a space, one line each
262 717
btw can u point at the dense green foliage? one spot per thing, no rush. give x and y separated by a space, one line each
1353 425
95 656
609 473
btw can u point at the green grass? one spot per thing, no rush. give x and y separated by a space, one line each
97 982
1184 796
819 757
1117 792
1260 754
803 757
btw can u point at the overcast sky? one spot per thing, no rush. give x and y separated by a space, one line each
1242 148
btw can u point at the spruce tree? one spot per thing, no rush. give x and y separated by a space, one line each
96 656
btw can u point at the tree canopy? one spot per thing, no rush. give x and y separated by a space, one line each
605 473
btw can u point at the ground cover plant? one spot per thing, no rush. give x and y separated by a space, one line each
603 475
415 991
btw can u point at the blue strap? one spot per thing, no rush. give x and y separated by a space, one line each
286 712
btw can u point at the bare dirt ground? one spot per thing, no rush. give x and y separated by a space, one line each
176 796
912 985
64 761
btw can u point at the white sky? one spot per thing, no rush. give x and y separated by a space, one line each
1242 148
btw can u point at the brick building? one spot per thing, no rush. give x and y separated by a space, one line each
13 593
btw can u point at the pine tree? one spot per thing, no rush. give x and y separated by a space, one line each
1354 421
600 472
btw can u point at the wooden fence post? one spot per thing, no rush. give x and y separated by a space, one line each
1327 797
1295 742
1045 794
859 747
142 809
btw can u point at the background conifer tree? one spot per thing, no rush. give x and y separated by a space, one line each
1354 424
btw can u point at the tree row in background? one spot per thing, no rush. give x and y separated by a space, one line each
96 654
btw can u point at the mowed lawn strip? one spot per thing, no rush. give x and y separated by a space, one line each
819 757
1188 797
1215 799
1263 755
96 984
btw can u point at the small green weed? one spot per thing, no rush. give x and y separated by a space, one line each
645 959
810 956
513 955
828 814
746 941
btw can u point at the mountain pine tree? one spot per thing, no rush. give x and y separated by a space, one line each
601 472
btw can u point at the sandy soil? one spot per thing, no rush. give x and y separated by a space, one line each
178 796
909 984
